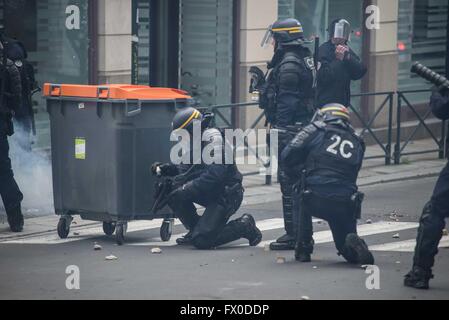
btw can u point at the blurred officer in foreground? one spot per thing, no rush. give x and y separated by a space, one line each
24 117
10 102
432 223
287 100
338 66
216 186
331 154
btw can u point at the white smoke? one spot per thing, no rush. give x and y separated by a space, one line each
32 171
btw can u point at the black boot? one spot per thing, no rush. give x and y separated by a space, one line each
15 219
286 242
185 240
303 252
251 232
418 278
356 251
243 227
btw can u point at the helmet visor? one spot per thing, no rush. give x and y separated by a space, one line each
342 30
267 38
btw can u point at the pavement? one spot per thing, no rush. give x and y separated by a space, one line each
39 266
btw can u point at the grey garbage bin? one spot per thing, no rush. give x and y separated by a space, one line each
103 141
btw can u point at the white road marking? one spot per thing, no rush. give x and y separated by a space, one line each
133 226
85 233
264 225
362 230
275 223
405 246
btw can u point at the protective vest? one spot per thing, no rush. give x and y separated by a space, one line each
339 155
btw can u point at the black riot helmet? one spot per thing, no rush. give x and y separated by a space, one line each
334 112
340 29
185 118
285 32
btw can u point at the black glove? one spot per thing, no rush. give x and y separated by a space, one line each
164 169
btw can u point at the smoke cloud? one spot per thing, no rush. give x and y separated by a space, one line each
32 171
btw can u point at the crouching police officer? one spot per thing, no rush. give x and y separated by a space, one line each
287 99
10 100
215 186
431 224
332 156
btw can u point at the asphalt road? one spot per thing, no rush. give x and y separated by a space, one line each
38 271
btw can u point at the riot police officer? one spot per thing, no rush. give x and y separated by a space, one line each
24 117
432 223
217 186
338 66
10 101
331 154
287 99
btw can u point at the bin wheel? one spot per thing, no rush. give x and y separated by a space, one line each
108 228
63 228
166 229
120 231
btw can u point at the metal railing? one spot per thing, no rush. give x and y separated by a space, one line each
367 125
218 114
386 147
399 149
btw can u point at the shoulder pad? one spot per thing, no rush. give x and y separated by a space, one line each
291 57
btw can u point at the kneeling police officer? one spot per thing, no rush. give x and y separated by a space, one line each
331 154
216 186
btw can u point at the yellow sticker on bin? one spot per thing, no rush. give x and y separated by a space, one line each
80 148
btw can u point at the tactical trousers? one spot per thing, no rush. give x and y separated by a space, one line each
286 181
339 215
212 228
9 190
432 223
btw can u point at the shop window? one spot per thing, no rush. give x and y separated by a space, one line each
316 15
422 36
55 34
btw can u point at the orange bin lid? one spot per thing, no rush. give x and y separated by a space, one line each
113 91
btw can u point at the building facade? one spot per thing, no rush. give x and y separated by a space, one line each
206 47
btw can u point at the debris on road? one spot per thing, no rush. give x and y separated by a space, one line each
394 216
76 233
445 233
369 221
110 257
315 267
97 247
396 236
280 260
305 298
156 250
398 262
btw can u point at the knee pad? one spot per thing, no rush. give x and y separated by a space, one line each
202 242
430 218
